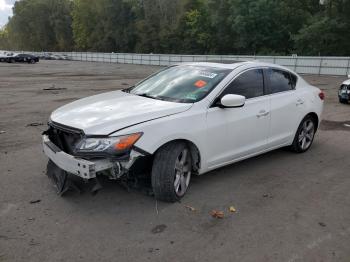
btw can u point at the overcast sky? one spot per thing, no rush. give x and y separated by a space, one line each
5 10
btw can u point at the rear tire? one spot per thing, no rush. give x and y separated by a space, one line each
171 172
305 135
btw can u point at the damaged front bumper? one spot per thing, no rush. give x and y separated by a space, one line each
87 169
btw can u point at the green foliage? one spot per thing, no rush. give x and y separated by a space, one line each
105 25
326 33
195 29
41 25
324 36
278 27
4 42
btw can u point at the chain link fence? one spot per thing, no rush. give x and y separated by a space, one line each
299 64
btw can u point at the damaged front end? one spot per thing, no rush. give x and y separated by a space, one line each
73 155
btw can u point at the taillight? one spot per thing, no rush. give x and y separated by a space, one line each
321 95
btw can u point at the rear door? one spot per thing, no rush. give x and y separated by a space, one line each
233 133
286 106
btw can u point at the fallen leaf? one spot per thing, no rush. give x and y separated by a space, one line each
217 214
190 208
232 209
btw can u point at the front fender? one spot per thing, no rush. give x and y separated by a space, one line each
190 126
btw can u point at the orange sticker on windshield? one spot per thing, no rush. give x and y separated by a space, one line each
200 83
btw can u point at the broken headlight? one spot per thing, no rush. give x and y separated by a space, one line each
107 145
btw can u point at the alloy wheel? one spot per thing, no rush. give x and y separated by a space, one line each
306 134
182 172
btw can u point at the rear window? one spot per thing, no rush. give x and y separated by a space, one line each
280 81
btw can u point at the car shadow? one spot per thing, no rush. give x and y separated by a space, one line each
220 181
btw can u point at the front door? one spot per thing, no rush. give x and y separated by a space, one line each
234 133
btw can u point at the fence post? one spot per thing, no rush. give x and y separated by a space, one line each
348 67
295 64
321 61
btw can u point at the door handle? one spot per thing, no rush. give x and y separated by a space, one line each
300 102
263 113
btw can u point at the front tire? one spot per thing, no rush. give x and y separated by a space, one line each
171 172
305 135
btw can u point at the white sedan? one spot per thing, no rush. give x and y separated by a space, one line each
186 119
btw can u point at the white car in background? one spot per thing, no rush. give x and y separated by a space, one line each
344 92
186 119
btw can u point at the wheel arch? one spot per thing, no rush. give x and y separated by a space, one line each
315 117
195 153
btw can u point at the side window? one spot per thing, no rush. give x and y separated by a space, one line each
280 81
294 80
249 84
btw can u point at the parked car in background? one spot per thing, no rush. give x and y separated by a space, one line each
50 56
186 119
4 56
45 56
23 58
344 92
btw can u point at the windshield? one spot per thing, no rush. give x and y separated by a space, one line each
184 83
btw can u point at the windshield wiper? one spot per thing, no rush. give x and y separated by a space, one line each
128 89
146 95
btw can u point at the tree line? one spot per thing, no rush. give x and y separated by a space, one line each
261 27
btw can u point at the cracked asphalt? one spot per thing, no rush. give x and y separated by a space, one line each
290 207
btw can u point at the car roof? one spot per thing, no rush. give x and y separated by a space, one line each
235 64
346 82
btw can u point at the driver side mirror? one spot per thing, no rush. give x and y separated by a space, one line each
231 101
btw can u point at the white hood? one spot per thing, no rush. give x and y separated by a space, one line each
106 113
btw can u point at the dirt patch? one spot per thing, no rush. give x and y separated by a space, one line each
328 125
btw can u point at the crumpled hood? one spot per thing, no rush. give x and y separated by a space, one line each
106 113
